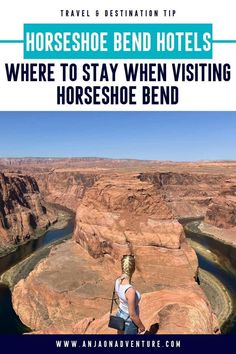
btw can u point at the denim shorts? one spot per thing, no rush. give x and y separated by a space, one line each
130 326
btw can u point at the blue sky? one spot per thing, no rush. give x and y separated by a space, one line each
177 136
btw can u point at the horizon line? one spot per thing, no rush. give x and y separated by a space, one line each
114 158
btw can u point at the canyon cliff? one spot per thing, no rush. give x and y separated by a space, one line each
187 194
66 188
205 189
124 207
22 211
70 290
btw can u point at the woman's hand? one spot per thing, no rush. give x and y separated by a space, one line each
141 330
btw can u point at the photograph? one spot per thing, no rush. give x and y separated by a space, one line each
117 177
118 223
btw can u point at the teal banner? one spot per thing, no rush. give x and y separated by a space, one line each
118 41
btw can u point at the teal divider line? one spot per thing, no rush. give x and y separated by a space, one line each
11 41
223 41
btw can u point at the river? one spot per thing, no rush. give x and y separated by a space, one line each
223 267
9 321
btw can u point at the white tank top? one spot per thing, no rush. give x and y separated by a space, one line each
123 303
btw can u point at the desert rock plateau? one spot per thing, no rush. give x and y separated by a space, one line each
122 207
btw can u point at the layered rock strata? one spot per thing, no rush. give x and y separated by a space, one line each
66 188
210 196
22 211
200 189
121 212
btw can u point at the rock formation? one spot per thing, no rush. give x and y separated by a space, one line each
172 311
22 211
194 189
121 212
55 299
118 214
222 213
122 206
186 194
66 188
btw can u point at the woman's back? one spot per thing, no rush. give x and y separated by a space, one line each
121 290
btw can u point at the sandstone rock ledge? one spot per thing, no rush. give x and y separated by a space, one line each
70 290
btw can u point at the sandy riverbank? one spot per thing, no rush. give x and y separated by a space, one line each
22 269
227 236
217 294
224 250
220 298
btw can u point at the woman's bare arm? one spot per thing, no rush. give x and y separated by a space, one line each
131 298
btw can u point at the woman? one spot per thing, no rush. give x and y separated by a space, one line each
128 298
